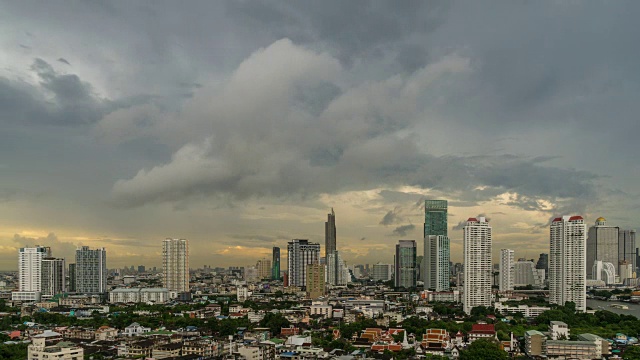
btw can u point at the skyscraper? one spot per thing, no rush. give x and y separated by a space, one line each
382 272
406 270
300 253
436 270
91 270
30 267
567 261
72 277
602 244
330 234
275 264
175 264
264 269
506 269
477 263
543 264
627 247
336 269
53 276
435 217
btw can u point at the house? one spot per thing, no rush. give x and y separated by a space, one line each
482 331
558 330
135 329
106 333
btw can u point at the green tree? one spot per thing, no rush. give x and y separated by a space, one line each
483 350
631 353
274 322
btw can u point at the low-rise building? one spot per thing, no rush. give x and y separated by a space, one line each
602 346
135 329
558 330
39 350
564 349
525 310
482 331
534 343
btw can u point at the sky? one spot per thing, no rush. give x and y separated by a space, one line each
238 125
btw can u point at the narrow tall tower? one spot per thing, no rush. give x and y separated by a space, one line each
275 263
507 269
175 264
567 261
30 267
330 234
477 263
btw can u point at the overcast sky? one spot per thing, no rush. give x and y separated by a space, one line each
239 124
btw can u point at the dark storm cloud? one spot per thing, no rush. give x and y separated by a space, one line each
60 99
403 230
391 217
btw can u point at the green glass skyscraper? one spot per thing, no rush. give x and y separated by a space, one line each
435 217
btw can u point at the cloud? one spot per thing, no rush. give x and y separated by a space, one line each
59 248
64 61
391 217
403 230
460 225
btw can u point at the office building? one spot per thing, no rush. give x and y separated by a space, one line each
435 217
543 264
436 270
264 269
337 272
507 270
300 253
567 261
330 234
72 278
53 276
627 248
275 263
602 244
175 264
406 270
477 241
382 272
91 270
315 280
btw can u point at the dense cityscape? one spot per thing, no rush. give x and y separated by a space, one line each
319 307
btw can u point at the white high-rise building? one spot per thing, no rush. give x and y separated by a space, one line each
567 261
382 272
477 264
91 270
436 262
300 253
30 267
526 274
506 269
53 276
175 264
336 269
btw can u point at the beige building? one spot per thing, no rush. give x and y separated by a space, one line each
315 280
534 343
564 349
264 269
175 264
38 350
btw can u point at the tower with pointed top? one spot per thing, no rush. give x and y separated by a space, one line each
330 234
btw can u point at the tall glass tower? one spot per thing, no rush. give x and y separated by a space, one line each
275 268
435 217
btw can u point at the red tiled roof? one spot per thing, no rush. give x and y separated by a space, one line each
557 219
483 329
577 217
472 219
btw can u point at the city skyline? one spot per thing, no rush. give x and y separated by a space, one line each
239 128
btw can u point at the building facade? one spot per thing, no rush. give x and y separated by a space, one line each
175 264
336 269
435 217
53 276
436 270
330 234
300 253
477 241
264 269
507 270
91 270
406 270
627 247
382 272
602 244
275 263
30 267
567 261
525 274
315 280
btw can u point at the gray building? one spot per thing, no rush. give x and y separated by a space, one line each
602 244
91 270
53 276
627 247
406 268
330 234
300 253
